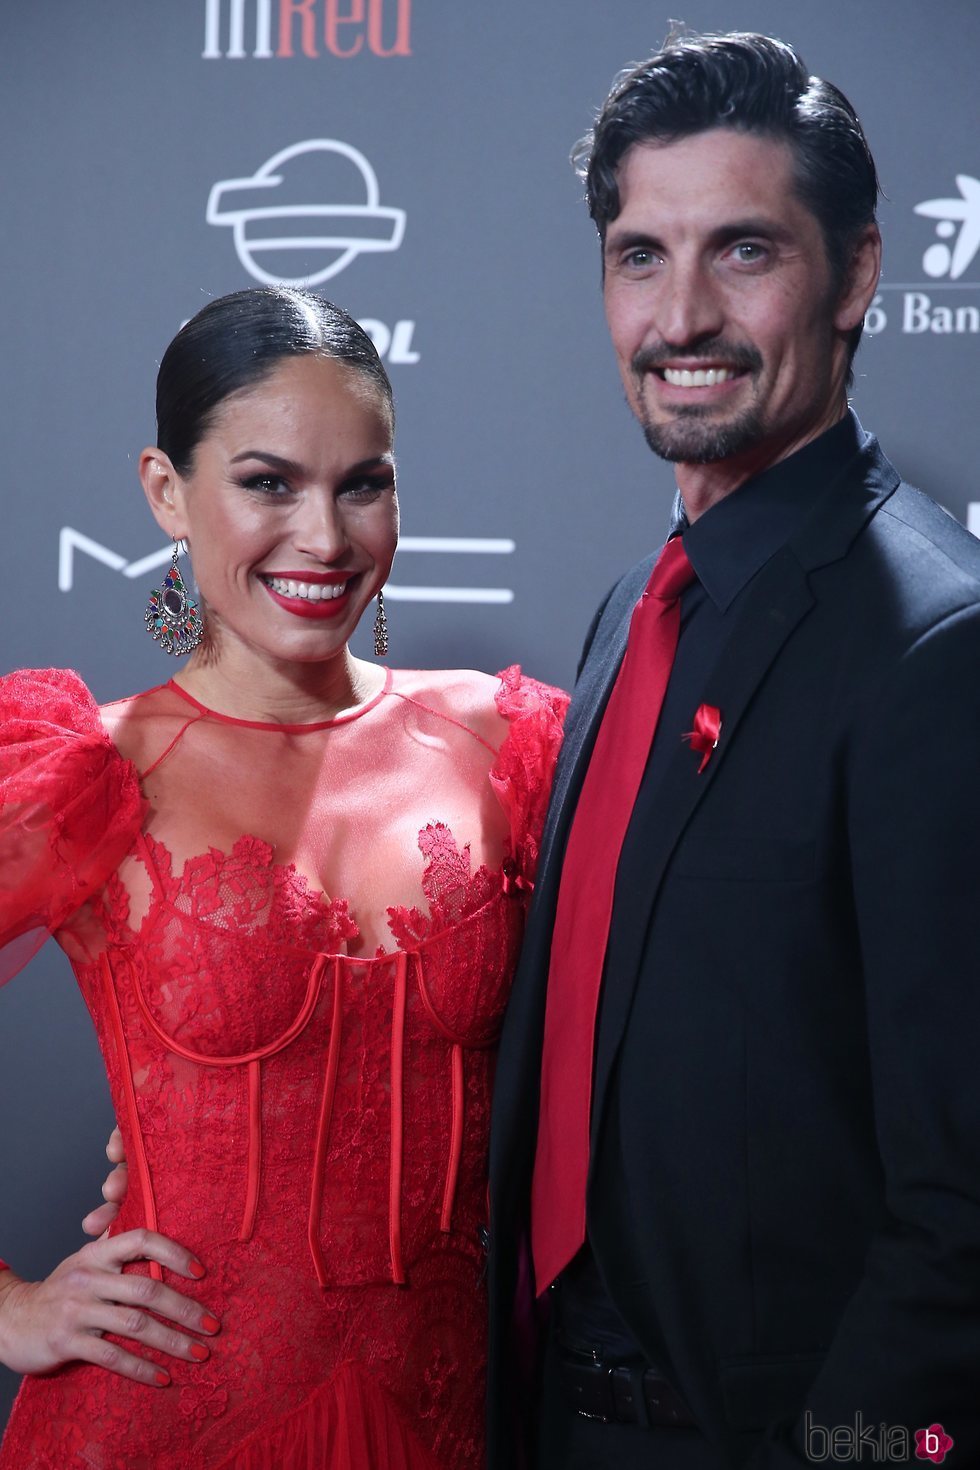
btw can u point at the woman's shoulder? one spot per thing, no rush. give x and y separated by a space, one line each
54 712
487 704
70 804
62 697
48 698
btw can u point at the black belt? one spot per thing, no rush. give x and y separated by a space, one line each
622 1394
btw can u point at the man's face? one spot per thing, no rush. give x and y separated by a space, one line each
727 327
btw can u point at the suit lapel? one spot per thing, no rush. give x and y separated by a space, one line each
779 601
779 598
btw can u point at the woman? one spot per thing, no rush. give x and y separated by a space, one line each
290 883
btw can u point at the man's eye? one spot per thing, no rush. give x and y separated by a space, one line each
747 252
640 258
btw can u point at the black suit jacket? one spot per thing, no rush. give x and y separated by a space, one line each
784 1193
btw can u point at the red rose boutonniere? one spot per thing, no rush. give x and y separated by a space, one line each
706 733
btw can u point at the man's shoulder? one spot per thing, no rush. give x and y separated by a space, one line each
913 518
922 552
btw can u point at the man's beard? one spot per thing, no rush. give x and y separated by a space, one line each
690 436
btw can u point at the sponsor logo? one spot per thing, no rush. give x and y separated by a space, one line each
885 1444
282 210
72 542
945 262
263 29
951 260
305 215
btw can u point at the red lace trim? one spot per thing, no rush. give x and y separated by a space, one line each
301 729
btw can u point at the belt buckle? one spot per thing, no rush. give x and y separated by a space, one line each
592 1388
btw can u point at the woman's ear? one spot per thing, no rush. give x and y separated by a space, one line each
164 491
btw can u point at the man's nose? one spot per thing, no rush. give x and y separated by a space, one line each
690 307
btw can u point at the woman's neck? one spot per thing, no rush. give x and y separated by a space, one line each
250 687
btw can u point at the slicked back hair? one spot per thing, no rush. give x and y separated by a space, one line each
751 83
236 341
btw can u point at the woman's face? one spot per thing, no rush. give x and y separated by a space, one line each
290 510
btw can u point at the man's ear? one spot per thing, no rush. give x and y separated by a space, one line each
861 280
164 491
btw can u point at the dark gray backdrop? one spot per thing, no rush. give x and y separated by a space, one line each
120 118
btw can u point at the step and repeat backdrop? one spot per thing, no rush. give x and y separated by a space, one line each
408 159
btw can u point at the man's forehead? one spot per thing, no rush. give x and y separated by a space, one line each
701 176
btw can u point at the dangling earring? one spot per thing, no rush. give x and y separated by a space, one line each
380 628
172 616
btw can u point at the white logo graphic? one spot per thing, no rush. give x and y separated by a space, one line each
71 541
952 260
288 187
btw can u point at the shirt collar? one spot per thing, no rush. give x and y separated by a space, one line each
737 536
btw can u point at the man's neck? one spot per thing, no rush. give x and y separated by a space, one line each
702 485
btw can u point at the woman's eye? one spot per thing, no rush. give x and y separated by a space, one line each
367 489
272 485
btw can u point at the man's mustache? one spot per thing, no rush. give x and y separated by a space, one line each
737 355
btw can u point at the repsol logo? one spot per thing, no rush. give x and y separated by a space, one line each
263 29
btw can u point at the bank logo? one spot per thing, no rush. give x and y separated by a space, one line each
942 304
951 260
307 213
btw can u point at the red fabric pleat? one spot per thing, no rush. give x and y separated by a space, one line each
346 1424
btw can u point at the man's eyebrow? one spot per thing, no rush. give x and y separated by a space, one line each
630 240
765 225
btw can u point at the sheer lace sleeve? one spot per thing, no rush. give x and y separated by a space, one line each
522 772
70 807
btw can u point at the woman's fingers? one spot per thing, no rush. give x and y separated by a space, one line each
86 1348
98 1220
114 1150
44 1324
143 1245
143 1294
113 1190
116 1184
138 1326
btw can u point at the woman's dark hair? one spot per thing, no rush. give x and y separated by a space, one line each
749 82
236 341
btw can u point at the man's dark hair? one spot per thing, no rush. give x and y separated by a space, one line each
754 84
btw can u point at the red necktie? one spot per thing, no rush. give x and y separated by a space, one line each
585 901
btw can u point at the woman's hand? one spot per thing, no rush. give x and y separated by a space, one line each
113 1190
45 1324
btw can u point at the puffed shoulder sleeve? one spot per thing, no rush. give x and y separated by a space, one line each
525 764
70 807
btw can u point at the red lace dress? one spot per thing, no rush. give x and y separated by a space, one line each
295 943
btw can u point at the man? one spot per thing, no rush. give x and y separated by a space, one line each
736 1150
